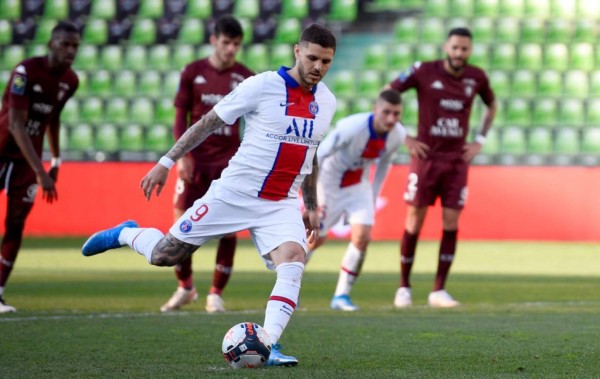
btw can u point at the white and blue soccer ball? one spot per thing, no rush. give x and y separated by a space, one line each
246 344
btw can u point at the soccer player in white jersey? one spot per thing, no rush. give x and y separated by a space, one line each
287 114
344 189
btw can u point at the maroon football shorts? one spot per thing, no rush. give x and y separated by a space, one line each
18 180
187 192
430 178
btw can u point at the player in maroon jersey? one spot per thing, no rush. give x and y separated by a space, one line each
36 93
439 164
203 83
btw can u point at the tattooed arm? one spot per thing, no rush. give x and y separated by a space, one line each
309 194
157 176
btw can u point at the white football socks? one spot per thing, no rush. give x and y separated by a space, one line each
142 240
351 265
283 299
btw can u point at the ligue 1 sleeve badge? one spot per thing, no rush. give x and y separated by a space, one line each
185 226
313 107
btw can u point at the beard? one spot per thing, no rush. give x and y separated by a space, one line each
456 67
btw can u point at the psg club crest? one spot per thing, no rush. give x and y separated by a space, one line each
313 107
185 226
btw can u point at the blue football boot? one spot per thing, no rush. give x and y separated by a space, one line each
105 239
278 359
343 303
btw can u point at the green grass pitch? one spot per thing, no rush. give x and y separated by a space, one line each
529 310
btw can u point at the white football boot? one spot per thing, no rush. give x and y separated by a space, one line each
214 303
403 298
180 298
441 299
5 308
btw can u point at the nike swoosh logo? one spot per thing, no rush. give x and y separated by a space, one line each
284 104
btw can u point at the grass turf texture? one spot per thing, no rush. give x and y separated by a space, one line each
529 310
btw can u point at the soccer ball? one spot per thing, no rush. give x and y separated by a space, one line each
246 344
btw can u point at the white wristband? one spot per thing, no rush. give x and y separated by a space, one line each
166 161
55 162
480 139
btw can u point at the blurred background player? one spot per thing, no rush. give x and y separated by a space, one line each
35 95
344 189
287 113
439 163
204 83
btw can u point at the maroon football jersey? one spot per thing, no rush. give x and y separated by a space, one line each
201 87
41 91
444 103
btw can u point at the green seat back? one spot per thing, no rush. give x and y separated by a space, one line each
107 138
549 83
117 110
111 58
125 83
92 110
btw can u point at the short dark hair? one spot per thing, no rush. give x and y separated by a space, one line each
228 26
318 34
390 96
461 31
65 26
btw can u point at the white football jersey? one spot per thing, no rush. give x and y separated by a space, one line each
349 150
283 127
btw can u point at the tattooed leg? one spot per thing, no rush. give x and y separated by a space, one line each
170 251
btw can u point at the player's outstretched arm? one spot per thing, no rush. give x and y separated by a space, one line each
157 176
309 195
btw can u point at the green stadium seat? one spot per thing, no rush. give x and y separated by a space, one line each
100 83
483 30
43 30
257 57
36 50
513 141
530 56
125 83
582 56
56 9
165 111
375 57
200 9
246 9
540 141
411 4
343 83
131 138
342 110
576 84
297 9
282 54
571 112
588 10
107 138
556 56
549 83
82 90
370 83
248 30
10 9
103 9
4 77
81 138
594 82
143 32
585 31
70 113
400 56
532 31
460 8
558 30
500 119
458 22
480 55
517 112
362 104
159 57
406 30
436 8
410 111
523 83
87 58
111 57
486 8
545 112
142 111
432 30
590 141
158 138
288 31
565 9
91 110
343 10
507 30
171 83
149 83
592 114
537 8
503 56
500 83
95 32
182 56
492 143
205 50
512 8
151 9
117 110
191 32
5 32
427 52
566 141
135 58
